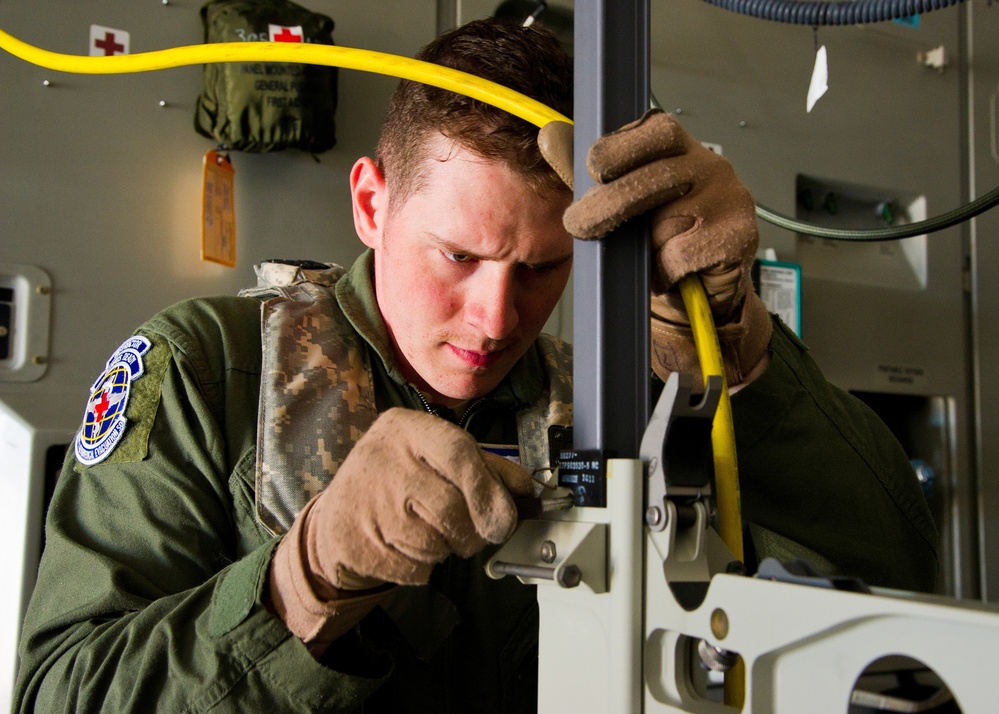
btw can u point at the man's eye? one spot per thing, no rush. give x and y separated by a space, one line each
456 257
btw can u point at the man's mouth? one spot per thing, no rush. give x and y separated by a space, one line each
475 358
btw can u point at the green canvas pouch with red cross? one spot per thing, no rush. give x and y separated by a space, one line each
267 106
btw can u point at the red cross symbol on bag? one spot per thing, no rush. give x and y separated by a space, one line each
280 33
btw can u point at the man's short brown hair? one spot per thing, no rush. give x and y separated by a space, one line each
529 60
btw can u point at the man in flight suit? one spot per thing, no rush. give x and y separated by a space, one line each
283 501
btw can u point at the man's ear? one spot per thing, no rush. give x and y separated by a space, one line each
369 199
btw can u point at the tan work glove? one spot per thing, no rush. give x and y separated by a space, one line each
703 222
414 489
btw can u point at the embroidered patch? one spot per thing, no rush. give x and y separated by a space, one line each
104 420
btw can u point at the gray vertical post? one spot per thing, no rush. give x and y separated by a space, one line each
611 392
610 279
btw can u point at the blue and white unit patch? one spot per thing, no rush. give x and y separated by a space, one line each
104 421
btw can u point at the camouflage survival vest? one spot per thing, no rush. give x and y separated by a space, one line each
316 372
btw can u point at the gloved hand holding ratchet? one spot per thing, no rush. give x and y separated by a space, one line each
414 489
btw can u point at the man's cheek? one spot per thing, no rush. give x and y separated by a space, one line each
441 300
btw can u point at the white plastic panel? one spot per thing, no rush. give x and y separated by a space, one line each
29 428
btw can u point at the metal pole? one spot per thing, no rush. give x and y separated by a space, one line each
611 277
611 333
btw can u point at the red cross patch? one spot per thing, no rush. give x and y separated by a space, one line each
107 41
104 421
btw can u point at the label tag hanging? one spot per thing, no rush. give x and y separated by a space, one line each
820 79
218 212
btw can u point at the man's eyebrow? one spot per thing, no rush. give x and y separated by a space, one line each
449 247
549 264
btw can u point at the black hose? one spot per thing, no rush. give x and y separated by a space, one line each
930 225
835 12
821 14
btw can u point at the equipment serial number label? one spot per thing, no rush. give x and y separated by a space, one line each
585 474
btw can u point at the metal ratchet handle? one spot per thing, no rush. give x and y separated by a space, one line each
568 576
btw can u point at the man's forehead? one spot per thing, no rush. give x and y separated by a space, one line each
435 150
441 151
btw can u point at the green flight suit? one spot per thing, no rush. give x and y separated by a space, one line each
149 590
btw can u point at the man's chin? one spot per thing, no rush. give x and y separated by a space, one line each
459 391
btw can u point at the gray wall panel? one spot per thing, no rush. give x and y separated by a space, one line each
100 186
886 122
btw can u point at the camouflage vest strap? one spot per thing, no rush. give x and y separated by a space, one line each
315 373
552 408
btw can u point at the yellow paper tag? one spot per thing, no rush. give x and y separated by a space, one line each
218 212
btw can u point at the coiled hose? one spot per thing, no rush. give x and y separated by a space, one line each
822 14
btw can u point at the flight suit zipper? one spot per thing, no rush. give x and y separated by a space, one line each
460 421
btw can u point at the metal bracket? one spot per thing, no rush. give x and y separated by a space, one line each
676 446
568 552
676 451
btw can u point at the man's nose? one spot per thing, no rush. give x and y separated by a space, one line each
492 307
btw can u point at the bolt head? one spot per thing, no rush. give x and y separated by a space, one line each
719 623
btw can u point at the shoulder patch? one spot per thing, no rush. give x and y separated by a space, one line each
104 420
